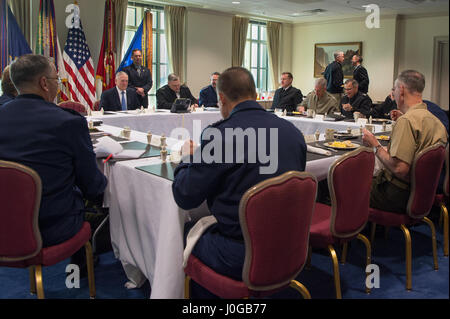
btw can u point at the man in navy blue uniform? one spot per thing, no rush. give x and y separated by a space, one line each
208 95
120 97
287 97
222 182
140 78
53 141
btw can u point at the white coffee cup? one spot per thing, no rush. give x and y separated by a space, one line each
126 132
370 128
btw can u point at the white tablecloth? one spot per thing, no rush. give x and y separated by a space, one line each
310 126
163 122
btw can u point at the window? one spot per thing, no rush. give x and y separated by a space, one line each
256 55
160 67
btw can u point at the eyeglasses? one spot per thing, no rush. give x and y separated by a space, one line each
58 79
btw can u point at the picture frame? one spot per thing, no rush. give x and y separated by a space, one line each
323 55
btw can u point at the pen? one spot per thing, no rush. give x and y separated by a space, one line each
108 158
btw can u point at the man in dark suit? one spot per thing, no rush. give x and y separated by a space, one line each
139 78
355 101
335 76
360 74
287 97
53 141
208 95
222 182
166 95
120 97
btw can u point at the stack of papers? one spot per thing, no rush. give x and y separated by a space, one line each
106 146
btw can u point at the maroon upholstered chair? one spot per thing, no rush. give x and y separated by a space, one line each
20 238
424 172
442 201
349 183
275 217
76 106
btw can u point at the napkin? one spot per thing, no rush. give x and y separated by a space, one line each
107 146
194 235
317 150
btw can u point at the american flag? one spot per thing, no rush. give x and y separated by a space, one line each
79 67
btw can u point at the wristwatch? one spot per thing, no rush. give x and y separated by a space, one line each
375 148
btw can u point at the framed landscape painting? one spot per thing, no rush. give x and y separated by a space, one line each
323 55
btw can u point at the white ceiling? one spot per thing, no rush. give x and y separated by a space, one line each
298 11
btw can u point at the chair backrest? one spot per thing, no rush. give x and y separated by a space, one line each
96 106
425 171
349 183
275 217
76 106
20 198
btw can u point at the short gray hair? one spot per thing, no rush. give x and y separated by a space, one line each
353 82
413 80
118 74
28 68
321 82
337 53
172 77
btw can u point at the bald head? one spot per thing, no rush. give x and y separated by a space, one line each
235 85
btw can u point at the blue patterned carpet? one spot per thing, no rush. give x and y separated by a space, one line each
388 255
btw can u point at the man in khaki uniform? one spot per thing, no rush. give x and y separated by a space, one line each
319 100
413 132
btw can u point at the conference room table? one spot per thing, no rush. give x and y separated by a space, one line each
147 226
161 121
171 124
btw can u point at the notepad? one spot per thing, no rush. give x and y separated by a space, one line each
165 170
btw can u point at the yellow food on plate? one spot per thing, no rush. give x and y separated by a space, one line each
344 144
383 137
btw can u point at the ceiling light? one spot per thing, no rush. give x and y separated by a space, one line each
235 2
296 14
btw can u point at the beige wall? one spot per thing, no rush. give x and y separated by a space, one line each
399 44
377 50
416 45
208 47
